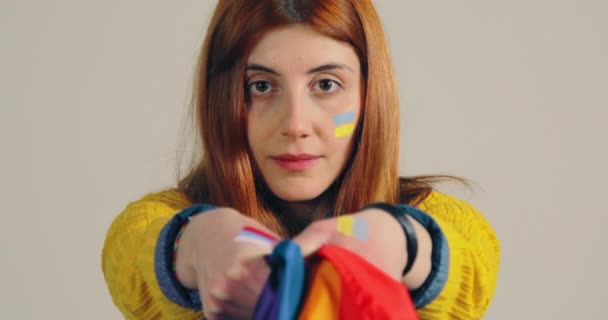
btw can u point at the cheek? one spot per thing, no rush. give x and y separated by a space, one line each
344 124
340 132
253 133
261 120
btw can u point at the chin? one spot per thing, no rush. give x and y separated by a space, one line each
295 194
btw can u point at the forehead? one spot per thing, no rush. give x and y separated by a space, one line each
301 45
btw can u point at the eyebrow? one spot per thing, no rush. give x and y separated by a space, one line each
325 67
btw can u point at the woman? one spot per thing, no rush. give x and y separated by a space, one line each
296 106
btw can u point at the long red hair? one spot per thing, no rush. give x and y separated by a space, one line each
225 174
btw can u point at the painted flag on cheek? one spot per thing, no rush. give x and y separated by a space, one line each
334 284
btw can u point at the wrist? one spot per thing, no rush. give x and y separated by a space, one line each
411 239
384 230
183 261
164 257
193 235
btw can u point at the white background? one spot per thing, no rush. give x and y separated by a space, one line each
510 94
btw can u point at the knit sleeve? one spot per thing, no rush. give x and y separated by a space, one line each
474 256
128 258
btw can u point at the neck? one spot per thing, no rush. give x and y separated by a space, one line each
297 215
313 208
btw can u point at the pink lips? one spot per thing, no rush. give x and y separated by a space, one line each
296 162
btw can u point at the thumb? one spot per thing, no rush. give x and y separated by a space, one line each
310 240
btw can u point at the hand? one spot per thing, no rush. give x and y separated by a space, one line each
384 247
229 274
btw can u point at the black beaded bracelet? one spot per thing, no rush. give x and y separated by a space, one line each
408 230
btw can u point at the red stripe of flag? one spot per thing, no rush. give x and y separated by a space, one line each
261 233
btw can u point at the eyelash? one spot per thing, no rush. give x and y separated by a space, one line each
249 87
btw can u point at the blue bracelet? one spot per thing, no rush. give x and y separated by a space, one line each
163 260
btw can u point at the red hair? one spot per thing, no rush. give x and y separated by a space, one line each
226 174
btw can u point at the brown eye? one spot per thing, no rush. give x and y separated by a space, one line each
262 86
326 84
258 88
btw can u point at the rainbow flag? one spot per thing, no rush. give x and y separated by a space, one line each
335 284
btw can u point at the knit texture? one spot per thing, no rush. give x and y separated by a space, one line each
129 252
474 260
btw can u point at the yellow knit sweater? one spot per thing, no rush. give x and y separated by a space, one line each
128 259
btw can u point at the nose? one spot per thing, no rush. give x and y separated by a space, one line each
295 121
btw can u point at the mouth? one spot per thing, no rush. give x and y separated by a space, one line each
296 162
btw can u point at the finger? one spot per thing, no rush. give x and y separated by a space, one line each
242 283
312 238
223 304
225 310
246 281
256 271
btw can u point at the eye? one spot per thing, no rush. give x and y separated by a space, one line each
259 87
327 85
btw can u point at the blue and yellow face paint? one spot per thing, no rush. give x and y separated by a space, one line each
352 227
344 124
